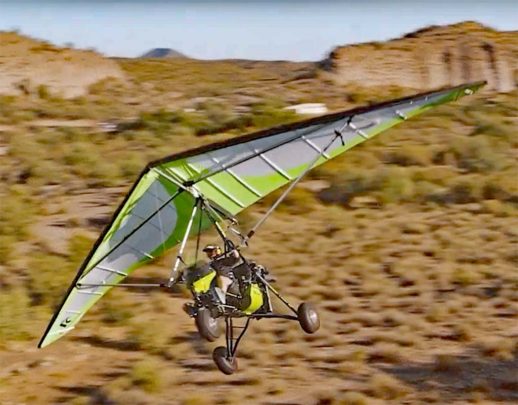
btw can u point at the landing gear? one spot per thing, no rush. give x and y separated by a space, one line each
308 318
226 364
208 326
225 356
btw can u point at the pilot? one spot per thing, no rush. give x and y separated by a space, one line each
222 263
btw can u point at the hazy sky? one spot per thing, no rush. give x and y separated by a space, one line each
282 29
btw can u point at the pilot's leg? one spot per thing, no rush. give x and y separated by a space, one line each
223 284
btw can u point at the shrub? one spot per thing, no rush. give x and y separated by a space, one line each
216 112
16 317
150 335
393 185
463 190
446 362
132 165
476 155
49 277
17 214
115 313
354 398
270 113
43 92
81 156
498 347
79 245
298 201
6 247
409 155
104 174
386 352
464 277
502 186
387 387
198 399
493 129
144 375
351 185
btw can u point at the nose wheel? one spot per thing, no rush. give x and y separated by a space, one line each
308 317
226 364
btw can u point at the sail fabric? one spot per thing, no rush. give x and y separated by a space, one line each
232 174
238 173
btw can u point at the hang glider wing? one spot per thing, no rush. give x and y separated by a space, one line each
233 175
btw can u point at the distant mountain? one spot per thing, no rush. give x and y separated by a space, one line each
163 53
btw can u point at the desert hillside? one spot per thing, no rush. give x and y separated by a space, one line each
407 244
27 64
432 57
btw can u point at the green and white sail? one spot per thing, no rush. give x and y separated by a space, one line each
233 174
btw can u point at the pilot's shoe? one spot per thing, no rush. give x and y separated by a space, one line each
190 309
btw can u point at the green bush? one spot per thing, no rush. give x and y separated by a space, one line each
345 189
43 92
464 190
393 185
501 186
409 155
81 155
476 155
496 130
131 165
17 213
144 375
150 335
114 312
6 247
78 247
387 185
299 201
270 113
49 277
16 317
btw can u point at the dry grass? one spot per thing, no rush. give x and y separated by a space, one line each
387 388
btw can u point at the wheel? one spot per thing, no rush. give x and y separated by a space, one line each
308 317
225 365
207 325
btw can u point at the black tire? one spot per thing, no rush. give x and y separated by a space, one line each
308 317
208 326
225 365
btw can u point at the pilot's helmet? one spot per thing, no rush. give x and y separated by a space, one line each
212 250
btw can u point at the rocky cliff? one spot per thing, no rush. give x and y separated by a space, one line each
26 64
432 57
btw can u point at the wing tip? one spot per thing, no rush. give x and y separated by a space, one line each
41 343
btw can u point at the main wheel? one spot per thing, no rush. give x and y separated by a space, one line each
308 317
225 365
207 325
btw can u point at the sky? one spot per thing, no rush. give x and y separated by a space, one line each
300 30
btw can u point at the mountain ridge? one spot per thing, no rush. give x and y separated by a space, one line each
162 53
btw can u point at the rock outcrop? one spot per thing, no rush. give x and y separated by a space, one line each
431 57
26 64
